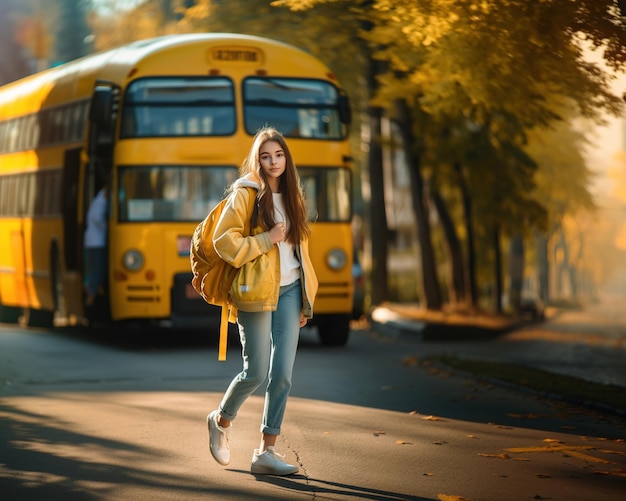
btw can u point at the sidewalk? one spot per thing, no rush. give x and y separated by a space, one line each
588 344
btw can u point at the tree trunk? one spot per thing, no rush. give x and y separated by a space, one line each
497 263
516 272
455 251
562 262
543 267
430 280
379 231
469 229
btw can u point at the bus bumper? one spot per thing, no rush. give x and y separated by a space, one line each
189 310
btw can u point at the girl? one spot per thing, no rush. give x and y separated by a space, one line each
269 339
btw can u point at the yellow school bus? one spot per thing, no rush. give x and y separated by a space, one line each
165 123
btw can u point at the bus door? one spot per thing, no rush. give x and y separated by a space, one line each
69 283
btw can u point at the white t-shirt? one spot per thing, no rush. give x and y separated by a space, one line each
96 232
289 264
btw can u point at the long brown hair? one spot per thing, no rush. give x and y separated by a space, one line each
288 183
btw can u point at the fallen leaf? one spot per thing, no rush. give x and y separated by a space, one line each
427 474
379 433
402 442
445 497
525 416
410 361
617 473
440 442
431 418
471 436
498 456
608 451
552 441
543 475
587 457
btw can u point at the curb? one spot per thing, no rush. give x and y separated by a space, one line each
388 322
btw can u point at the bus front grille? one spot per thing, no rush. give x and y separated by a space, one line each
143 299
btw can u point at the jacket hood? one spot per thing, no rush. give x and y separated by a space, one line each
250 180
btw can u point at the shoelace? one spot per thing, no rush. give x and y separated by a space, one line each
276 455
225 437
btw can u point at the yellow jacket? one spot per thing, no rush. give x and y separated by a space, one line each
237 249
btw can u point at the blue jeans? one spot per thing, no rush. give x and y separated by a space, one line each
95 268
269 342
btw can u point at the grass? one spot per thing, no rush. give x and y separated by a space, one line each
599 396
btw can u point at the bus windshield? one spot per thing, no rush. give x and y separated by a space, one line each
327 193
295 106
167 193
188 193
176 106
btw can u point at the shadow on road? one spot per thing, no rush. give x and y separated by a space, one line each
324 488
38 462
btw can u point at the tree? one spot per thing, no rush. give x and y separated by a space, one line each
14 63
562 185
72 30
435 51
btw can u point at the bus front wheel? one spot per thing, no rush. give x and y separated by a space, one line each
333 330
32 317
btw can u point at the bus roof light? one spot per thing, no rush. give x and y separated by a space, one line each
214 71
261 73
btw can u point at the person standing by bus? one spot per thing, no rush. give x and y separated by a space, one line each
95 241
269 339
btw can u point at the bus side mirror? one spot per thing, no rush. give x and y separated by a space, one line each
101 109
345 114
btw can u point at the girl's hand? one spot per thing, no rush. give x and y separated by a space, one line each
303 320
277 233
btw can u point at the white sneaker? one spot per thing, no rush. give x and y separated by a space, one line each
218 439
271 463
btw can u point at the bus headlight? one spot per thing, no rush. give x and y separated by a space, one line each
336 259
133 260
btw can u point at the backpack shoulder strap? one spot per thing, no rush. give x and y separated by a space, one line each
223 343
226 308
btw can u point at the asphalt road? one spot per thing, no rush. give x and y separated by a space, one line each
100 416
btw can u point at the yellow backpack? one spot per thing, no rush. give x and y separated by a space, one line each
212 276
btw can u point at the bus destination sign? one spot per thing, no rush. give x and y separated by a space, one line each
236 55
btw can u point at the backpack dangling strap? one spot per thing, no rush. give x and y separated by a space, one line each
223 332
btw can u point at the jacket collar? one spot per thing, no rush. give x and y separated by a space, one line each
249 180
